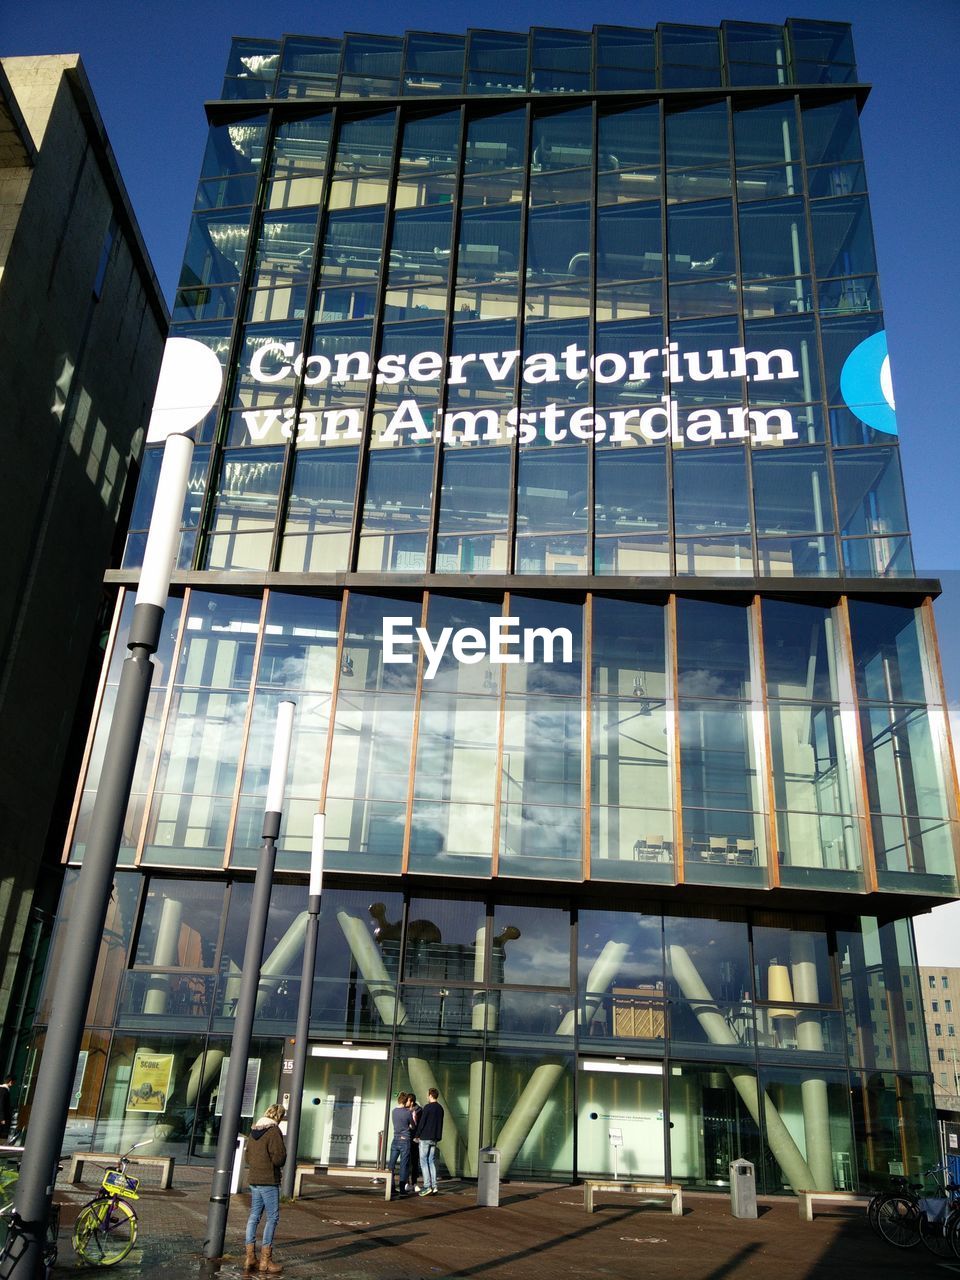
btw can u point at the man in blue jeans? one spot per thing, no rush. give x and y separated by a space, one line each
402 1119
427 1135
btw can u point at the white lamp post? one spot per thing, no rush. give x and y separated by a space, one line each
81 948
306 995
249 982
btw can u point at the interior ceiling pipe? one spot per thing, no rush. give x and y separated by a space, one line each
547 1075
813 1089
382 992
784 1150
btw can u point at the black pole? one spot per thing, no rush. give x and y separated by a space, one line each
300 1046
240 1040
74 979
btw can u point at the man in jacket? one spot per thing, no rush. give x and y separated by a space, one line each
400 1146
427 1135
266 1154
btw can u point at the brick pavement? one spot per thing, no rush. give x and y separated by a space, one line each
539 1232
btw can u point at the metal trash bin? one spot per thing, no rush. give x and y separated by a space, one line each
488 1179
743 1189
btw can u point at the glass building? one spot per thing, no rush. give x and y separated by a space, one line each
553 472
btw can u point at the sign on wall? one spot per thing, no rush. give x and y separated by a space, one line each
149 1081
251 1083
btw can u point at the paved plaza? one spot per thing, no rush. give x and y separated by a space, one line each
539 1232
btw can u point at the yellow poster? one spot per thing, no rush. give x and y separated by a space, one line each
149 1081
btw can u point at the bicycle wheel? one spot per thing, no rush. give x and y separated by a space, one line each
935 1236
50 1240
105 1233
898 1221
953 1232
873 1208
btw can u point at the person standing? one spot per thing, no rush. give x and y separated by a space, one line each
416 1111
400 1146
6 1108
427 1135
266 1154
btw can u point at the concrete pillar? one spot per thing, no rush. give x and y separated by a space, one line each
813 1089
484 1016
281 960
784 1150
422 1079
547 1075
382 990
381 987
165 954
204 1071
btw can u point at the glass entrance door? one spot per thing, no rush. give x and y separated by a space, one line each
620 1122
344 1107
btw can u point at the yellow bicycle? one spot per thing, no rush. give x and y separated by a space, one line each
106 1227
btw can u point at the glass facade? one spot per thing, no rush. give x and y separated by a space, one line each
539 1024
554 475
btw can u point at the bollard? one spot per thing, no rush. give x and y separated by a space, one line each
743 1189
488 1179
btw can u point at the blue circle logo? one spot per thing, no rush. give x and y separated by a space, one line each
866 386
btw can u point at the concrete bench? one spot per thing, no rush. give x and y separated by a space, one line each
80 1158
807 1198
316 1170
594 1187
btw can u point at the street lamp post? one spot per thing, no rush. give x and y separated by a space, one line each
249 984
74 978
303 1009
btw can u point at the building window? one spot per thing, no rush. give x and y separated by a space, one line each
944 982
941 1055
935 1006
950 1030
909 1006
948 1006
932 980
937 1029
108 243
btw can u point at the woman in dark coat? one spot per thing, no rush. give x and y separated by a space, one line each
266 1154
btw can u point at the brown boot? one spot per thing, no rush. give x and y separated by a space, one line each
267 1265
250 1261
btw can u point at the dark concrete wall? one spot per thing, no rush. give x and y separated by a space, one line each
77 374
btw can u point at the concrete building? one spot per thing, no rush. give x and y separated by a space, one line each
941 1015
82 326
547 459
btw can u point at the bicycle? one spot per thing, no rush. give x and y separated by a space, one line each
899 1186
899 1216
898 1219
12 1233
940 1229
106 1228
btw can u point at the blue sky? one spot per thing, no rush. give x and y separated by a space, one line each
152 66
